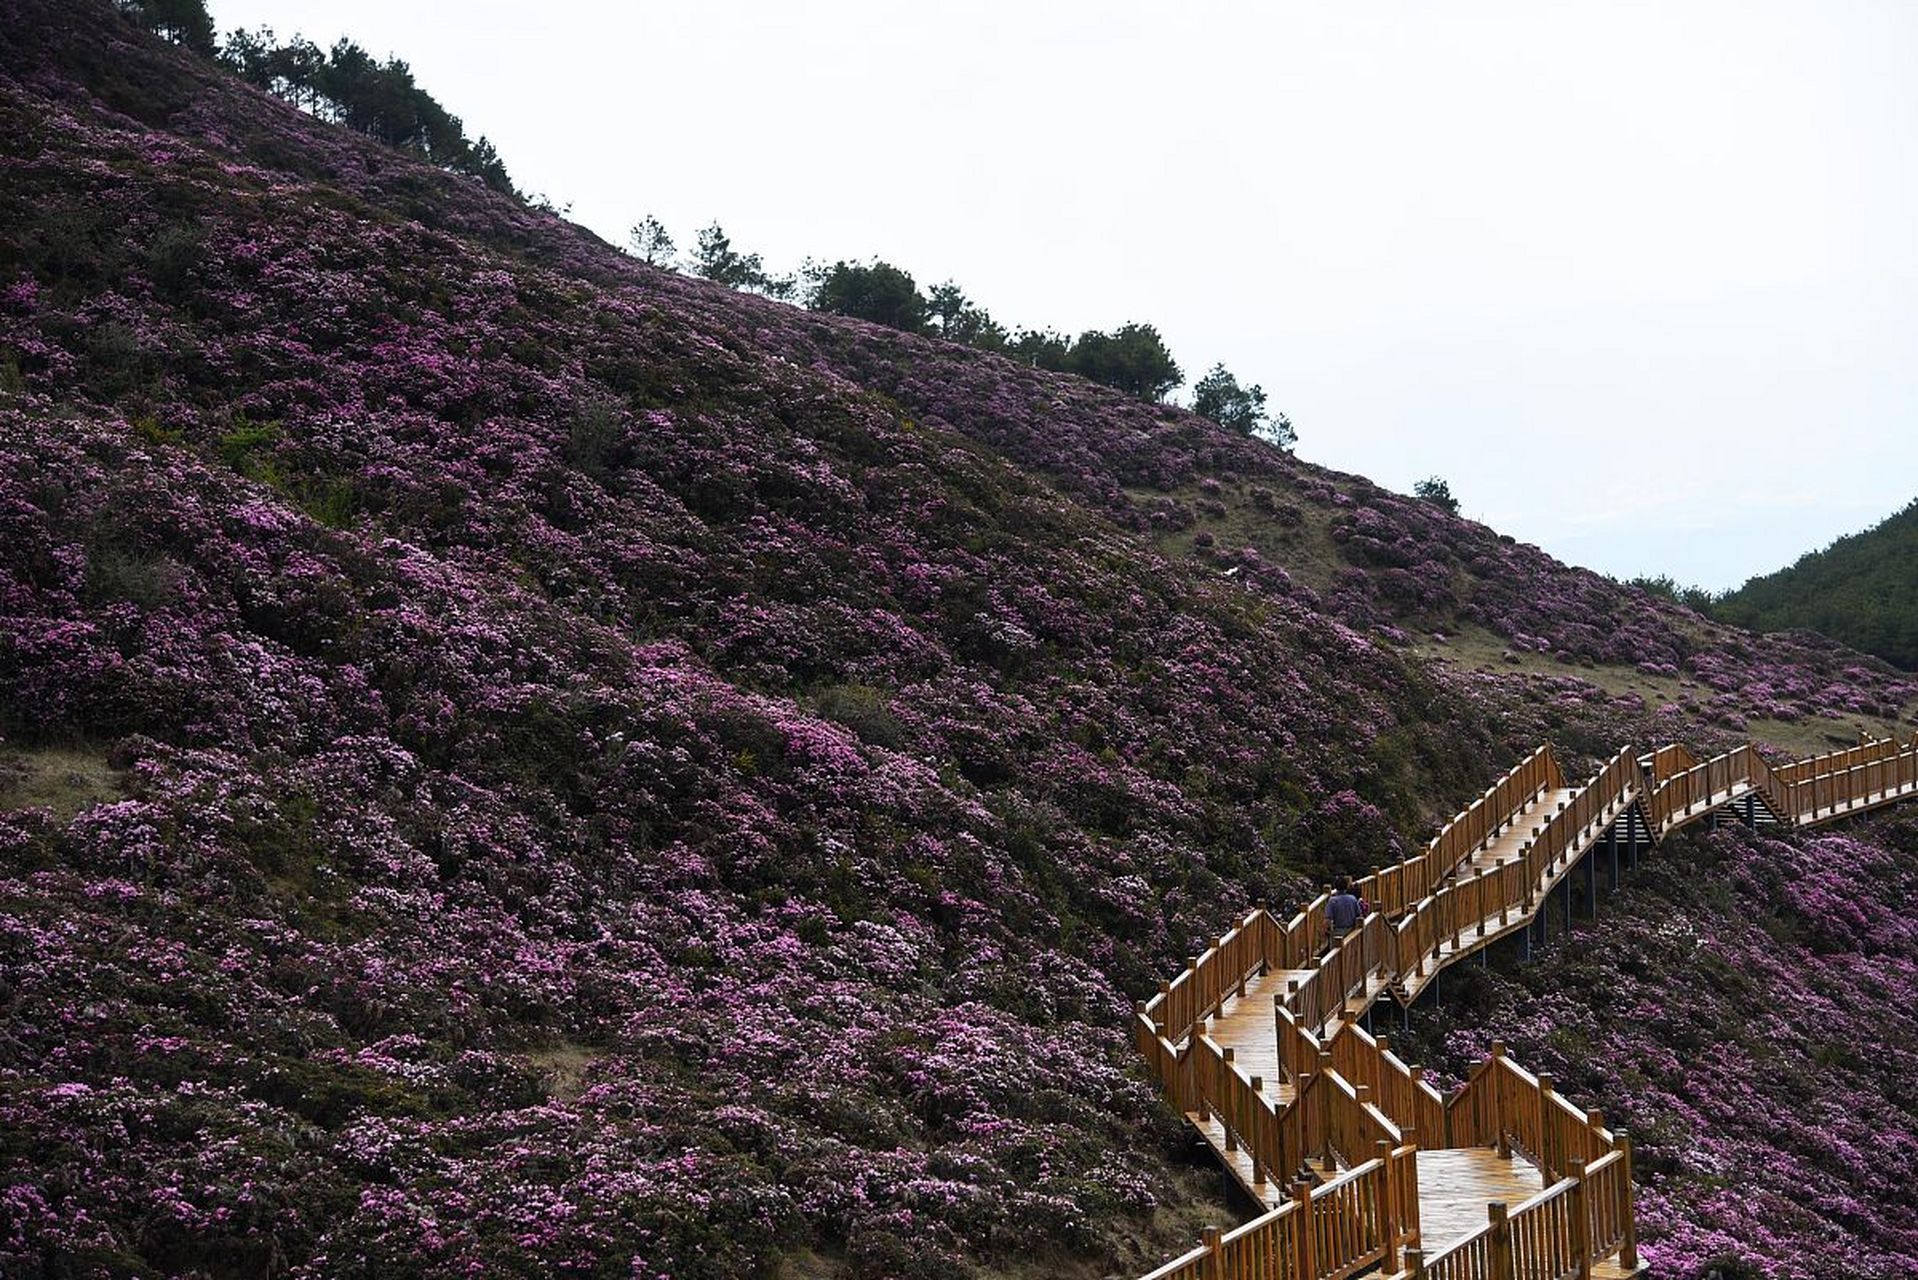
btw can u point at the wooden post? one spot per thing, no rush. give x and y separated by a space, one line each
1550 1163
1209 1241
1628 1251
1231 1140
1415 1264
1581 1219
1501 1130
1388 1206
1499 1244
1306 1261
1258 1167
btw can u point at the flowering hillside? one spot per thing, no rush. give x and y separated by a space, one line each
520 763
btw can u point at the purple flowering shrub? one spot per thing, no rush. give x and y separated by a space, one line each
617 777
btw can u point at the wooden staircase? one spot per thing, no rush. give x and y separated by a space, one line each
1360 1163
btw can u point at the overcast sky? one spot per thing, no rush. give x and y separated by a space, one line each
1639 280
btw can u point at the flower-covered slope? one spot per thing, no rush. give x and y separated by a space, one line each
607 776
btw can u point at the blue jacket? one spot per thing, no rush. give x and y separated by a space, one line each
1342 911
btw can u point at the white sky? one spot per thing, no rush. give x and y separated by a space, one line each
1640 280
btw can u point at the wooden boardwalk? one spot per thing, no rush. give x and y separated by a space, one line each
1359 1163
1456 1185
1244 1025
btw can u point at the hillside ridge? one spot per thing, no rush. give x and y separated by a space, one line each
1859 590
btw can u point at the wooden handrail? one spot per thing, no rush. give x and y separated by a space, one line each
1840 760
1215 974
1399 1089
1670 759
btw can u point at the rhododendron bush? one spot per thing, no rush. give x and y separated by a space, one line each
608 776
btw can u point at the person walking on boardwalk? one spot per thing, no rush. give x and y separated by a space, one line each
1342 912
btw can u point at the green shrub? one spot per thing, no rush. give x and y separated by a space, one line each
593 437
863 709
116 363
173 259
135 579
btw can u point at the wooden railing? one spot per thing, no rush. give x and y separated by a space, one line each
1168 1067
1608 1187
1349 1224
1823 786
1670 760
1707 785
1584 1217
1221 970
1398 1089
1253 1118
1394 890
1369 951
1806 790
1839 761
1352 1100
1587 813
1503 1105
1496 897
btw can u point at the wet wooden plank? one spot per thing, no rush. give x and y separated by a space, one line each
1455 1186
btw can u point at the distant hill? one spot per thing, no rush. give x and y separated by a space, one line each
1862 589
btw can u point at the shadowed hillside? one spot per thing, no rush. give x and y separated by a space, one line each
520 762
1862 589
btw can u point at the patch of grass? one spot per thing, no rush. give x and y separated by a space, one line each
565 1067
1286 528
63 779
1477 649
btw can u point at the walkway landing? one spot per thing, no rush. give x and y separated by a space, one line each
1455 1186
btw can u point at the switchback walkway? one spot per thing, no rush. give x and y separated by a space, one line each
1361 1163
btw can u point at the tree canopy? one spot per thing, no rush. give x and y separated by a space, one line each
715 259
1862 589
651 242
345 84
875 291
1219 396
1435 491
958 319
184 22
1132 358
